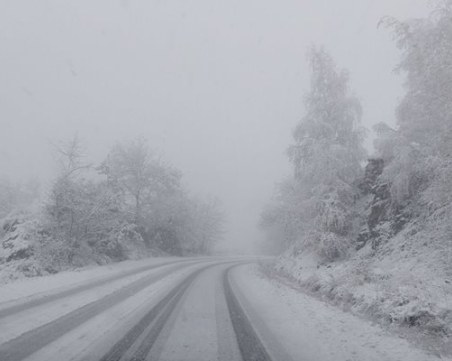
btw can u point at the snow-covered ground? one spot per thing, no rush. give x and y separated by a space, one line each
292 325
405 285
25 288
310 329
91 340
43 314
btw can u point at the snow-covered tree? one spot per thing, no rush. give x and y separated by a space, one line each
317 205
206 225
65 196
166 216
424 115
421 146
139 174
180 224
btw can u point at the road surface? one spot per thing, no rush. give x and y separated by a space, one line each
199 309
176 310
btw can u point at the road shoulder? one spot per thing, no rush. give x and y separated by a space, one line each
308 328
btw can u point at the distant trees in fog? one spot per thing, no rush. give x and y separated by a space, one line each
139 175
15 195
130 205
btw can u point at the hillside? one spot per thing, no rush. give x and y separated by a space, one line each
398 274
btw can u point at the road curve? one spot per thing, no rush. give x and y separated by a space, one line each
178 311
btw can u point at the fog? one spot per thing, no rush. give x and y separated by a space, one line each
215 86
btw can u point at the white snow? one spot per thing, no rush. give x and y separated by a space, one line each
34 317
93 338
24 289
310 329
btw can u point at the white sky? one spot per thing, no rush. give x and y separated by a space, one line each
215 86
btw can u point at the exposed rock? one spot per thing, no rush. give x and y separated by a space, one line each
382 219
373 170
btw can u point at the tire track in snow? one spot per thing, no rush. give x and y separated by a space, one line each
33 340
11 310
250 345
137 344
139 340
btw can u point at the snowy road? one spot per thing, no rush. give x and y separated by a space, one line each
174 310
192 309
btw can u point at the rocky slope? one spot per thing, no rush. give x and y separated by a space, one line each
399 272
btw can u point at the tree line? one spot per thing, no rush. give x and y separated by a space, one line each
319 207
130 205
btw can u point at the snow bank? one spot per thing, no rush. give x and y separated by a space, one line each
41 286
405 284
28 250
309 329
